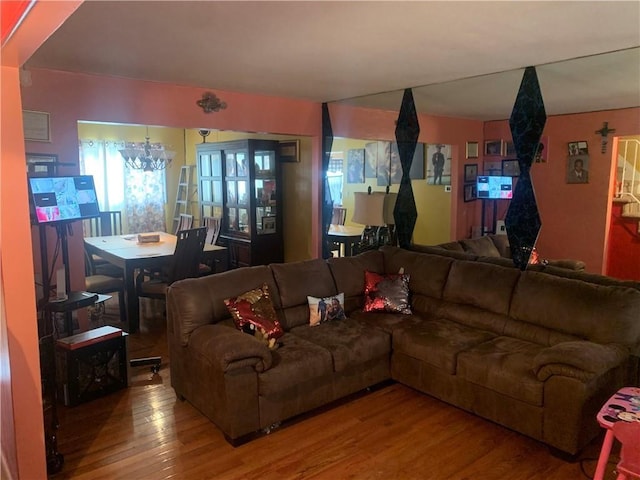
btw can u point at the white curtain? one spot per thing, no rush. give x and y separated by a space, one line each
140 196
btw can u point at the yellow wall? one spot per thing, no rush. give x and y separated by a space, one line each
433 224
296 176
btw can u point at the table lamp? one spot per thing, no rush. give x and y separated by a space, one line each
375 211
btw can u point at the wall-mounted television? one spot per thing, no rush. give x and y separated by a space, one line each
62 199
492 187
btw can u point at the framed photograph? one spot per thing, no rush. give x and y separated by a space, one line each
583 148
269 224
417 165
509 149
438 164
290 151
470 172
578 169
542 155
510 168
573 148
355 165
370 159
36 126
493 168
472 150
494 147
470 192
41 163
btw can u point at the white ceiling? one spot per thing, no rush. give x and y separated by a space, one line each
325 51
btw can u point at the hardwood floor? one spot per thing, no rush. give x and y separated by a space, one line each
144 432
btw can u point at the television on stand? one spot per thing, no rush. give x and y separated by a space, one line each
63 199
59 201
492 187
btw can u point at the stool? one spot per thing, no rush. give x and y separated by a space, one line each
623 406
628 434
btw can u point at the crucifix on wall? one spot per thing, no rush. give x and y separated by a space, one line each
604 133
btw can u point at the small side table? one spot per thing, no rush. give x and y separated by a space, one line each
623 406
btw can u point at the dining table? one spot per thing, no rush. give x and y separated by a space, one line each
126 252
345 235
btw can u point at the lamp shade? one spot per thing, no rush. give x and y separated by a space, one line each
368 209
389 205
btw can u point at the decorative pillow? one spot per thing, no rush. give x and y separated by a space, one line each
326 309
386 293
253 312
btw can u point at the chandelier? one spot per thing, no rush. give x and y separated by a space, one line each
146 156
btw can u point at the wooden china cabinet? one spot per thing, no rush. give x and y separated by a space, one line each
239 181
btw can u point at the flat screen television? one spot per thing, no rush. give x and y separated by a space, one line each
494 187
63 199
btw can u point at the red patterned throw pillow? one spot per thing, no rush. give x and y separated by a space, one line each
386 293
253 311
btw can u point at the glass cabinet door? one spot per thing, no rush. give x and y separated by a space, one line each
265 188
210 183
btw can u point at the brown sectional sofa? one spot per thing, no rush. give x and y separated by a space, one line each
535 352
494 249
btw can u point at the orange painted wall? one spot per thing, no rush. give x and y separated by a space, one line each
575 218
27 439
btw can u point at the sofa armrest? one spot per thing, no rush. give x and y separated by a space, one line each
230 349
580 359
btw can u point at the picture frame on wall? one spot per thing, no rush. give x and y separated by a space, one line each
355 165
573 148
41 163
492 167
470 172
510 168
290 151
509 149
417 164
470 192
494 147
36 126
438 160
472 150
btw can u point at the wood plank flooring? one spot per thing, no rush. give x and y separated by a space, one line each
144 432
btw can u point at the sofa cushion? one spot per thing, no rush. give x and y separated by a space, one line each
438 342
482 246
504 364
326 309
254 308
386 293
387 322
481 284
350 342
297 280
348 274
428 273
296 361
200 301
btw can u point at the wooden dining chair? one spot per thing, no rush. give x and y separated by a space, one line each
185 222
103 284
184 263
212 224
338 217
